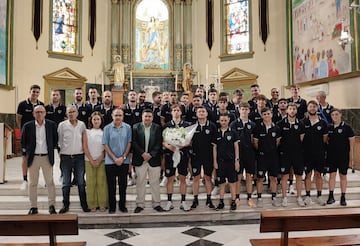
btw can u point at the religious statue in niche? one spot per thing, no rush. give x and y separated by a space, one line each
187 78
118 70
152 35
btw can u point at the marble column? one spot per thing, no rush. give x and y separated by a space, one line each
188 31
178 36
125 34
114 29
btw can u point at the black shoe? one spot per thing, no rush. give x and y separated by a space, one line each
52 210
233 205
123 210
86 210
209 204
220 206
195 203
331 200
64 210
111 211
138 210
343 201
33 211
159 209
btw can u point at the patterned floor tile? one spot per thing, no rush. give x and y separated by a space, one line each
122 234
198 232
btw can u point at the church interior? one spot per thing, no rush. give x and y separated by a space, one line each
174 45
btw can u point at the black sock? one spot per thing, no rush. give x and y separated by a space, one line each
237 196
290 181
216 183
307 193
319 193
183 197
259 195
195 197
331 194
249 196
25 178
232 201
273 195
169 197
342 194
221 200
208 197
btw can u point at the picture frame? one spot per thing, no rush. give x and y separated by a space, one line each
317 50
6 35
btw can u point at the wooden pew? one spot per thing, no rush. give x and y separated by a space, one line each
40 225
285 221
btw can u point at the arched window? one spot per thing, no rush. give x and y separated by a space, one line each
152 35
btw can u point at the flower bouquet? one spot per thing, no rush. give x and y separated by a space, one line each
178 137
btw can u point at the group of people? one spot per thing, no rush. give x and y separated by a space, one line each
274 138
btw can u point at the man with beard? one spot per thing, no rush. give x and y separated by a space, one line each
84 110
55 110
106 108
93 98
132 110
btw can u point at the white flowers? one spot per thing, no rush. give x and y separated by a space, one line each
178 137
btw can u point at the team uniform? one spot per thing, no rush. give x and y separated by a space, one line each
277 116
234 109
166 112
85 112
255 116
314 146
290 147
247 152
211 108
92 106
267 154
183 165
226 155
301 107
338 147
146 105
202 148
324 113
157 114
106 113
25 109
216 118
56 114
132 115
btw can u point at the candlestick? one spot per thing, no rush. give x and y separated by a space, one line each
207 73
131 81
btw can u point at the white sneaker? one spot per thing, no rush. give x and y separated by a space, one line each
184 206
24 185
215 191
275 202
291 190
300 202
163 181
169 206
284 202
308 201
321 201
131 182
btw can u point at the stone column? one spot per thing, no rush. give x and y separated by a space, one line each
178 36
114 29
125 34
188 31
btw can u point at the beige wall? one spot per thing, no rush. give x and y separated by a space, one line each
30 64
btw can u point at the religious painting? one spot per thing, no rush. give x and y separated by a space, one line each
152 35
320 40
5 42
64 31
236 28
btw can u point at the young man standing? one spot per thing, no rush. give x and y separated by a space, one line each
266 141
190 115
93 98
300 102
245 128
226 160
255 113
222 109
291 154
340 152
84 110
201 155
106 108
281 110
315 137
55 111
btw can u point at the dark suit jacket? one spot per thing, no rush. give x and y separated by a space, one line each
28 140
138 144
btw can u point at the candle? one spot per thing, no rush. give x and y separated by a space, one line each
218 72
131 81
102 82
198 79
207 73
176 79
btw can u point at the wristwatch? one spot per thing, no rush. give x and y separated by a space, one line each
124 156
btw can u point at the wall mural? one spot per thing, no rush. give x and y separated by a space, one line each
152 35
3 41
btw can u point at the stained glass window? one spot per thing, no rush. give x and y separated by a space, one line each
236 28
65 27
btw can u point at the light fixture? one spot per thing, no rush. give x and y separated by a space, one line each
355 6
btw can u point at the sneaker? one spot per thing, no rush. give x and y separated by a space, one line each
163 181
24 185
291 190
233 205
284 202
276 202
237 202
259 203
343 201
308 201
330 200
300 202
209 204
169 206
221 205
321 201
184 206
195 203
215 191
251 203
131 182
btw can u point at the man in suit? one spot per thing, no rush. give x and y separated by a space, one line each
146 144
38 141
